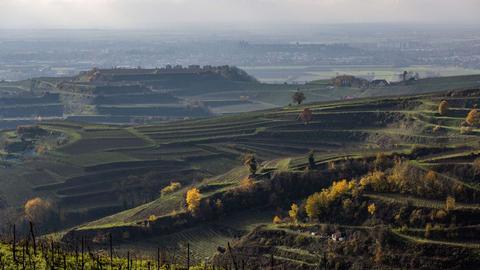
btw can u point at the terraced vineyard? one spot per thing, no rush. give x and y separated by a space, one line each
102 169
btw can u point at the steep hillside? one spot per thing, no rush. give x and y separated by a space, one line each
97 170
149 96
92 171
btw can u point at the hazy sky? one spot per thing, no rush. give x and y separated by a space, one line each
162 13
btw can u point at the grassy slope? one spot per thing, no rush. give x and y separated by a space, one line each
231 179
339 128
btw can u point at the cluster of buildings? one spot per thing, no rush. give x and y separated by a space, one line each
352 81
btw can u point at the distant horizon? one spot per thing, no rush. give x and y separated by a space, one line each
253 26
138 14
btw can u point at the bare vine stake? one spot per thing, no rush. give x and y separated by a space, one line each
23 256
27 250
188 255
111 252
128 260
32 233
83 250
271 261
231 255
76 254
325 260
158 258
14 252
53 254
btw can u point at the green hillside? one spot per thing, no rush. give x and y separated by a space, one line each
113 175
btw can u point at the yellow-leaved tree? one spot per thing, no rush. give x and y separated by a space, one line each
443 107
193 200
372 209
293 213
319 203
247 184
450 203
473 118
277 220
174 186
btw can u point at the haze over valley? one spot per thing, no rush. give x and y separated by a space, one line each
256 134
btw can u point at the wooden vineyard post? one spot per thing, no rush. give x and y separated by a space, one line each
32 233
188 255
128 260
83 251
14 247
111 251
76 254
324 260
158 258
272 263
231 255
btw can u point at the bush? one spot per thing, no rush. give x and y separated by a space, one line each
174 186
298 97
319 203
450 203
250 161
293 213
372 209
277 220
428 230
193 200
473 118
247 184
443 107
465 130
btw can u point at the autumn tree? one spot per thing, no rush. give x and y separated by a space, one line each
219 206
311 159
306 116
293 212
378 258
174 186
250 161
430 181
443 107
428 230
277 220
318 203
450 203
315 203
38 210
473 118
193 200
372 209
476 166
377 181
298 97
381 161
247 184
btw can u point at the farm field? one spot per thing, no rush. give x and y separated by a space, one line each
309 73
